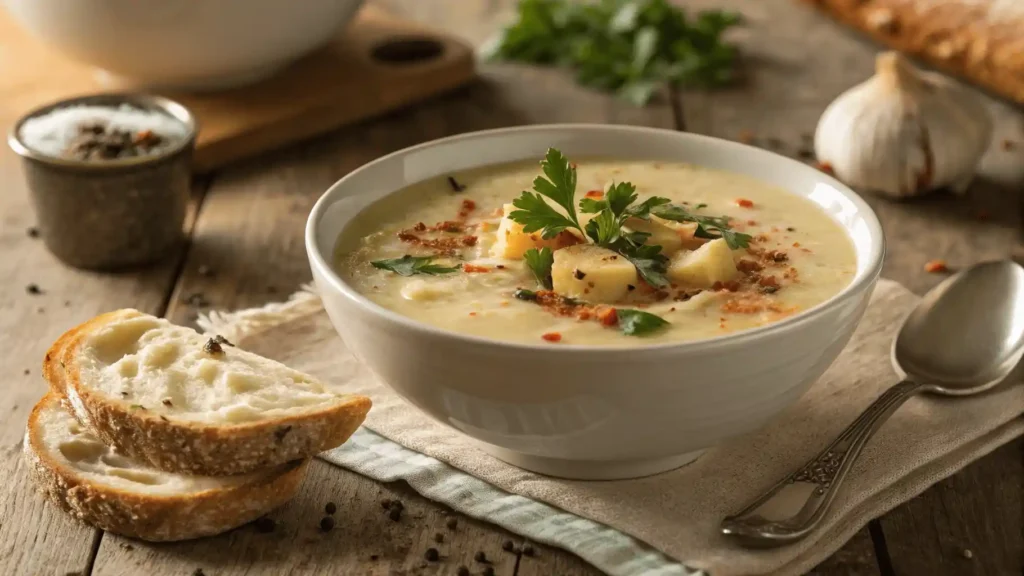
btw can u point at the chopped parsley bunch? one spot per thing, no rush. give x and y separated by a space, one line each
630 47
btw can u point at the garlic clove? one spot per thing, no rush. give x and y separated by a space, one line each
903 132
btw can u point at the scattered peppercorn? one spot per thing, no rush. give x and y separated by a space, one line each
27 371
462 571
936 267
33 289
331 508
327 523
432 554
438 537
790 229
528 550
480 557
265 525
508 546
451 523
488 571
33 232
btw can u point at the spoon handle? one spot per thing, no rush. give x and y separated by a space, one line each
794 506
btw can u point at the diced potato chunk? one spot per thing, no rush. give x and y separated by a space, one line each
685 231
704 266
660 235
592 273
511 242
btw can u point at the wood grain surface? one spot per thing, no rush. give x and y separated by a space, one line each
247 249
335 86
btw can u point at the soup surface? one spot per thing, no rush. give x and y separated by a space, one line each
715 253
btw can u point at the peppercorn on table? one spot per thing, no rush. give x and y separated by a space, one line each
246 225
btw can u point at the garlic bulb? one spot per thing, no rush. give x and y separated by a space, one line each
904 132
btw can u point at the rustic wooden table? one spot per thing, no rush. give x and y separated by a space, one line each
246 227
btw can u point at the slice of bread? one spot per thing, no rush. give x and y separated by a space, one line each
109 490
184 402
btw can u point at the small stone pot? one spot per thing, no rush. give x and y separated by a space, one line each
111 214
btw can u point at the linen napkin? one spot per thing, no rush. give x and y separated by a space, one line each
668 523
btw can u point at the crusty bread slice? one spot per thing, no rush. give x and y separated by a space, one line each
183 402
99 485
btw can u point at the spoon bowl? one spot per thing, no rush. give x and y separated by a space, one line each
963 338
966 334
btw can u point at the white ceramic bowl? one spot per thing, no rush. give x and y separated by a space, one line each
185 44
582 411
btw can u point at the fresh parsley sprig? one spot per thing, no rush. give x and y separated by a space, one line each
411 265
560 186
707 226
631 47
540 263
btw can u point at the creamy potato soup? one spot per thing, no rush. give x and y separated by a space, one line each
599 252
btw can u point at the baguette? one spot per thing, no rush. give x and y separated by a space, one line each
979 40
102 487
182 402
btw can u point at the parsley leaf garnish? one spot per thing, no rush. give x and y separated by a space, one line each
639 323
540 262
560 186
410 265
707 226
630 47
650 263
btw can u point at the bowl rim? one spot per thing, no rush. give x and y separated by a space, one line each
150 102
860 282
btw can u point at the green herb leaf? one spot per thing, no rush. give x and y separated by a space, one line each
619 196
560 186
536 214
707 226
540 262
650 263
591 206
639 323
410 265
631 47
604 228
643 209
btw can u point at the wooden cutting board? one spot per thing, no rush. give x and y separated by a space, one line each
377 64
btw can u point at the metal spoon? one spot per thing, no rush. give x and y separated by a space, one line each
965 337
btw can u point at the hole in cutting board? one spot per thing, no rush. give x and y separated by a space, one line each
407 50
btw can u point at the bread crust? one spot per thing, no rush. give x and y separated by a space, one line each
193 447
960 38
156 518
